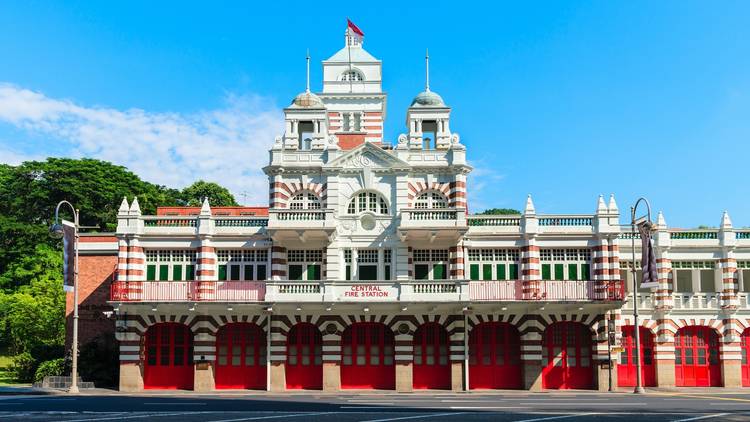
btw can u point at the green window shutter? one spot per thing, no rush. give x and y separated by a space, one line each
546 273
151 272
486 271
313 272
513 272
474 271
189 272
177 273
261 272
295 272
585 272
421 271
222 272
234 272
348 272
439 271
501 272
248 273
163 272
559 272
387 274
572 271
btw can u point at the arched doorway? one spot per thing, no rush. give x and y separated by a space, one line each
169 357
626 369
241 357
696 362
304 361
432 368
566 354
367 360
494 356
745 350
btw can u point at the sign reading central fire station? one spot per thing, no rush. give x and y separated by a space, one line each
359 292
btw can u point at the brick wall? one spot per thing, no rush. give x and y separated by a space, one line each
95 276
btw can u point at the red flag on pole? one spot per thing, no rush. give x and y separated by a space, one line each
354 28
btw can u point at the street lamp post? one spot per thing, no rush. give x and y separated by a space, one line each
638 381
57 231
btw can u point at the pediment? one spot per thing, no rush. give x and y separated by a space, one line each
368 156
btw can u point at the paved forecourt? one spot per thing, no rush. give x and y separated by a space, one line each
381 407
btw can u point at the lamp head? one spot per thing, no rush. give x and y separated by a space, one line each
56 231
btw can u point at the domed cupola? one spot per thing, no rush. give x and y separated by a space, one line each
428 98
306 121
428 120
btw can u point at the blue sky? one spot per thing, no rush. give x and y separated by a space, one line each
563 100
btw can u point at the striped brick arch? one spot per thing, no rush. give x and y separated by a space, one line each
455 192
282 324
281 193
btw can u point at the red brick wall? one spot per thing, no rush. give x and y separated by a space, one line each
95 274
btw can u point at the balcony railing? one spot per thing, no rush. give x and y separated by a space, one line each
572 220
297 219
694 234
549 290
442 218
693 301
152 221
188 291
242 222
357 291
494 220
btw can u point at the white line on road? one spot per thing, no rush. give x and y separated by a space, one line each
150 415
257 418
431 415
697 418
575 415
486 407
193 403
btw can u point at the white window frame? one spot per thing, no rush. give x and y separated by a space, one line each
431 199
305 200
363 202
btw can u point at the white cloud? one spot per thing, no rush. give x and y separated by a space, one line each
13 157
227 145
482 183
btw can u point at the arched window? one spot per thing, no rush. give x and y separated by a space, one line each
352 76
367 201
305 201
431 200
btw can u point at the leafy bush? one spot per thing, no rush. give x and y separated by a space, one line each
54 367
23 367
98 361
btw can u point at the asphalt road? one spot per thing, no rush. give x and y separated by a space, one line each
380 407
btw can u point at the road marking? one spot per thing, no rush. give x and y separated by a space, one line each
700 397
150 415
257 418
697 418
575 415
432 415
158 403
588 404
487 407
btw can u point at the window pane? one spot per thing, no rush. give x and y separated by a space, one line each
234 272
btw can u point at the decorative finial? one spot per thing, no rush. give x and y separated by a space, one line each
307 86
529 209
601 207
427 70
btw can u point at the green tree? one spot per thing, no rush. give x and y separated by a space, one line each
500 211
34 315
31 191
218 196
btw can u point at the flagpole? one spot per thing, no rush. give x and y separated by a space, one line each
636 326
349 50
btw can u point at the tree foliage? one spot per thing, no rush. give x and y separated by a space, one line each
218 196
500 211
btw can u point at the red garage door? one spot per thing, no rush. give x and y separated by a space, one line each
304 362
626 369
745 349
494 356
432 367
367 357
169 357
566 353
241 357
696 361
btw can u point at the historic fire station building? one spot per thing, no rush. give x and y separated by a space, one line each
367 272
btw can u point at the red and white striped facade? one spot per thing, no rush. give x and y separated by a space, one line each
377 236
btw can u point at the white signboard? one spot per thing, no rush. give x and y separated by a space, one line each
363 292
